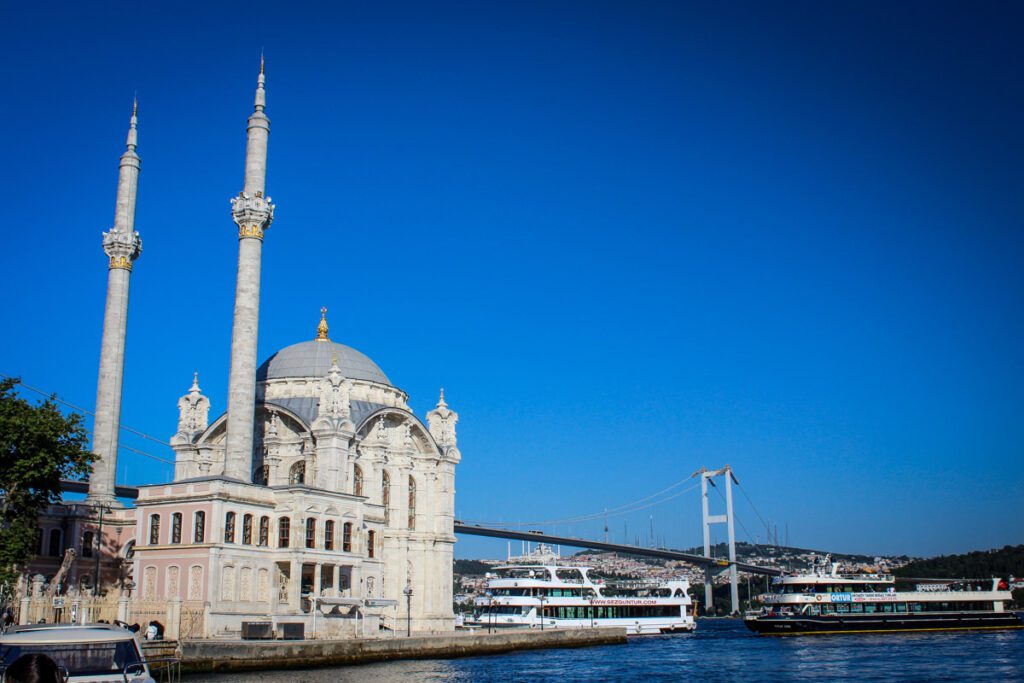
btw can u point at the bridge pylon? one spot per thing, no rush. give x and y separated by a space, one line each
707 477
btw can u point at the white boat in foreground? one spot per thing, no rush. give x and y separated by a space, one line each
555 596
94 653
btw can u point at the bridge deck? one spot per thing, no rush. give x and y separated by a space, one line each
699 560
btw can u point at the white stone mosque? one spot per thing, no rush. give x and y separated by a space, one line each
318 497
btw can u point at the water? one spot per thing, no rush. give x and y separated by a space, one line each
718 651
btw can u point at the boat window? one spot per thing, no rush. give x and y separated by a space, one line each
80 659
570 575
901 607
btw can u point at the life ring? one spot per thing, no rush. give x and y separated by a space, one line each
819 598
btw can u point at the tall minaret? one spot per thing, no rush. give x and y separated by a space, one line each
253 213
122 245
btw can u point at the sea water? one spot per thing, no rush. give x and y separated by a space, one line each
720 650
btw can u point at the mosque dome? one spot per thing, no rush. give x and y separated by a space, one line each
313 359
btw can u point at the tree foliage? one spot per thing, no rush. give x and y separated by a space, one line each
980 564
39 446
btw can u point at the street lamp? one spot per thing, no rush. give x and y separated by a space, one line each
99 549
541 596
407 591
490 611
590 599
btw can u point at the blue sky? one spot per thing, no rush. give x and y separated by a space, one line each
629 239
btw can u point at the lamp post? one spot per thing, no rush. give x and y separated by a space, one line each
590 599
490 612
407 591
541 596
99 549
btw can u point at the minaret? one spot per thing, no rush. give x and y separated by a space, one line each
122 245
253 213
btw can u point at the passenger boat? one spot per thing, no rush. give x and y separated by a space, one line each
559 596
97 653
824 601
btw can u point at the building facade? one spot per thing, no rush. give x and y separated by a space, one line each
316 497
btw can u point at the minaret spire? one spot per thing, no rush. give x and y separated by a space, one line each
122 246
253 213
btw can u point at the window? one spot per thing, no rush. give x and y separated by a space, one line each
329 535
357 480
199 527
264 531
154 529
247 530
229 527
176 527
385 496
310 532
346 537
412 503
371 539
297 473
88 538
262 476
283 531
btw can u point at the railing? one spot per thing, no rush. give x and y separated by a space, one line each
165 669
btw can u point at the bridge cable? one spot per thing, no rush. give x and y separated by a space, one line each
79 409
627 508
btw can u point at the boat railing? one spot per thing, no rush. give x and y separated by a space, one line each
165 669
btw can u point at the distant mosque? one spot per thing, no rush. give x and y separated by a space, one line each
318 493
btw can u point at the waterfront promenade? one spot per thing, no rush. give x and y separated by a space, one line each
259 655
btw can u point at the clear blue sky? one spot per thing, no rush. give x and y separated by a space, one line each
629 239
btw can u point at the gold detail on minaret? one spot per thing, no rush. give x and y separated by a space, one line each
253 230
321 329
122 262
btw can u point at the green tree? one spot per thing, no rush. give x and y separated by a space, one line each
39 446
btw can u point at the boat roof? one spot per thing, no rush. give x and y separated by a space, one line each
55 635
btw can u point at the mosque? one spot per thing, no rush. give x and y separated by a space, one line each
317 497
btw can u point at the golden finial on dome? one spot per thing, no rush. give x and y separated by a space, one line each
321 329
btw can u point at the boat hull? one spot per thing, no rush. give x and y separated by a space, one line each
882 623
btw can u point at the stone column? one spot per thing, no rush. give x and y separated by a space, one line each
253 213
122 246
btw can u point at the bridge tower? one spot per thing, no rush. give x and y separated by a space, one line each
707 477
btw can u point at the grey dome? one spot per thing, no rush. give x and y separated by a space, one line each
313 359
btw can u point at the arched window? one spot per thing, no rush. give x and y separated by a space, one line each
329 535
385 496
371 541
264 532
412 503
310 532
154 529
357 480
297 473
283 532
262 476
199 527
88 538
176 527
229 527
346 537
247 530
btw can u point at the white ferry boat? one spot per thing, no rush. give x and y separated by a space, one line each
553 595
824 601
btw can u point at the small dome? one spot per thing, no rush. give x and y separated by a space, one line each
313 359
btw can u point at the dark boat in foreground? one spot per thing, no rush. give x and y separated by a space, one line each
824 601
